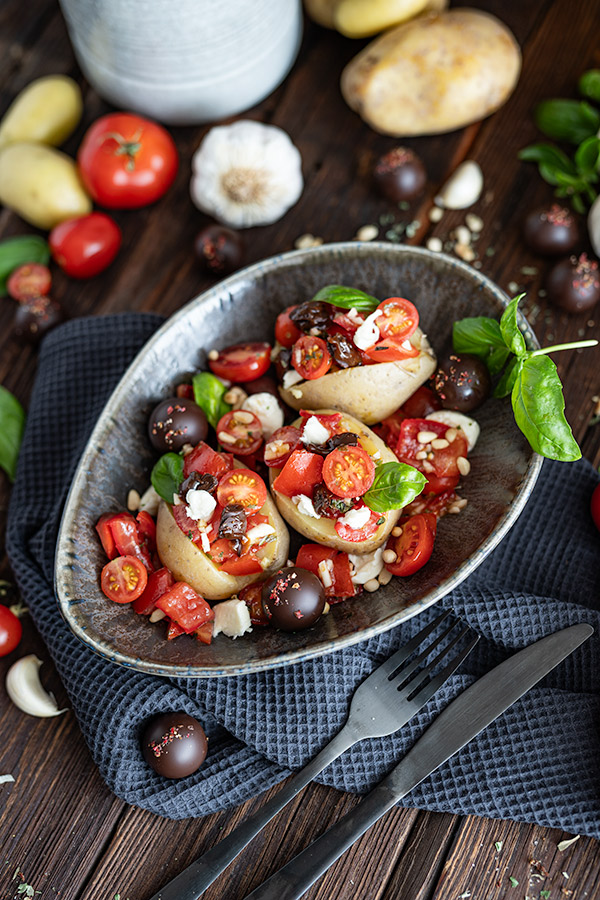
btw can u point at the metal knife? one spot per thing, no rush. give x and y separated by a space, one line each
465 717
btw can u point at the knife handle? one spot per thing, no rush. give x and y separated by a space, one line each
291 881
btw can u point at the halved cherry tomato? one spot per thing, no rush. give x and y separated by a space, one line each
421 403
159 583
252 597
240 431
185 607
242 362
300 474
280 446
414 546
242 486
441 470
121 535
124 579
348 471
310 357
397 321
29 280
11 631
85 246
207 461
355 535
285 331
309 557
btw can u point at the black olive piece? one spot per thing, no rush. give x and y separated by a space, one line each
233 525
462 382
282 362
312 315
199 482
346 439
344 353
327 504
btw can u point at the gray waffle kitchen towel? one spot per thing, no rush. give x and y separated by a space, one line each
539 762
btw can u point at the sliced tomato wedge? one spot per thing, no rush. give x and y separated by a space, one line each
413 548
311 555
147 529
242 362
158 584
240 431
391 351
207 461
242 486
252 597
281 445
356 535
348 471
185 607
124 579
286 333
310 357
440 466
300 474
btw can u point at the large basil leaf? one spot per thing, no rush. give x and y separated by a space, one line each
16 251
547 155
12 425
346 297
589 84
511 333
538 405
395 485
208 394
509 376
482 337
567 120
167 475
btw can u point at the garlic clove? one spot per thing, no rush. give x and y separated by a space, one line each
463 188
24 688
246 174
593 224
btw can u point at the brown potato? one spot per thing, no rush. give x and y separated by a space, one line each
434 73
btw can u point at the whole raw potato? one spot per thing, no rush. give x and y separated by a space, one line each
434 73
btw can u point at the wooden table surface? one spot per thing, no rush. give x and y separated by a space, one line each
61 827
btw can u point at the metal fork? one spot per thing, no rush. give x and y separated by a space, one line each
385 701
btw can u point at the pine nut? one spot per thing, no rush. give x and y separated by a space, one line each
133 500
326 609
421 454
371 585
474 223
243 417
461 502
425 437
187 449
427 465
213 354
453 510
388 556
156 615
235 396
451 435
385 576
440 444
397 531
435 244
226 438
464 466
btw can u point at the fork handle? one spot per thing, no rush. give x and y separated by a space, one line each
190 883
295 878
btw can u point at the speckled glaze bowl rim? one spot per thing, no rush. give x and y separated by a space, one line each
294 258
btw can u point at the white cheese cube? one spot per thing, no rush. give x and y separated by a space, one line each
231 618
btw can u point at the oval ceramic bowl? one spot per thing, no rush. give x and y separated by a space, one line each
243 307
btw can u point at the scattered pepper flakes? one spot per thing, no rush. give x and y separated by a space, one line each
564 844
513 881
498 846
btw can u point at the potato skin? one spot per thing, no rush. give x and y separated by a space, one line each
189 564
369 393
322 531
434 73
47 111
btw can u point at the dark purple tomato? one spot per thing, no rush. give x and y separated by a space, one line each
35 317
293 598
175 422
219 250
574 284
462 382
551 231
400 175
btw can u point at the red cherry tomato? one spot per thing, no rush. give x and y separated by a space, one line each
442 468
310 357
356 535
397 322
348 471
281 445
242 486
159 583
85 246
11 631
185 607
595 506
242 362
29 280
121 536
124 579
126 161
240 431
414 546
285 331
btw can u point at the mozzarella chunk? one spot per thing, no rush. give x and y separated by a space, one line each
356 518
314 432
367 334
205 541
268 411
290 378
453 419
260 531
231 618
366 566
200 505
355 316
305 506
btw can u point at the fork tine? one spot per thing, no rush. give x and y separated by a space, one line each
403 674
395 661
432 686
406 687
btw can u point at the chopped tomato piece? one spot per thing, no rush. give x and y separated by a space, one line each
355 535
310 357
147 529
440 465
240 431
280 446
128 539
106 536
205 460
205 633
348 324
311 555
421 403
159 583
185 607
187 525
246 564
391 351
300 474
285 331
242 362
331 421
123 579
252 597
438 504
348 471
389 428
185 391
173 631
242 486
414 546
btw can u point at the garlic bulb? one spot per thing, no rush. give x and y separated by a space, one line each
24 688
246 174
463 188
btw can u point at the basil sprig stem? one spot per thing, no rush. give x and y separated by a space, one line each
529 376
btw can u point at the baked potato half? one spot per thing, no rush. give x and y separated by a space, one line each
369 393
190 564
322 530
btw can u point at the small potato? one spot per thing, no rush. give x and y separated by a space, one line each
364 18
434 73
370 393
47 111
41 185
322 531
322 11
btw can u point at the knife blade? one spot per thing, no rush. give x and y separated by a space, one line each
459 723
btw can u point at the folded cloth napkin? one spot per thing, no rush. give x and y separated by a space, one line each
539 762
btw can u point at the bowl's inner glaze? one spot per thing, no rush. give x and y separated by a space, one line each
242 308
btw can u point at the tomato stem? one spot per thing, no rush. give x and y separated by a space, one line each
126 148
574 345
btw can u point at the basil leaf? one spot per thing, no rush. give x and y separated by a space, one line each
506 383
547 155
587 157
346 297
17 251
567 120
511 332
538 405
589 84
208 394
482 337
167 475
395 485
12 425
